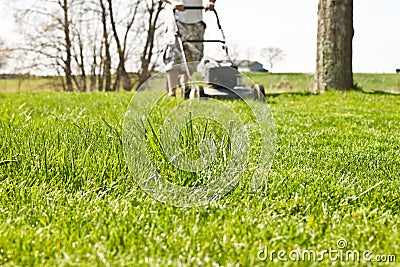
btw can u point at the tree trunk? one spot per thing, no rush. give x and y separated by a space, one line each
81 83
82 64
68 60
107 59
93 82
100 77
334 45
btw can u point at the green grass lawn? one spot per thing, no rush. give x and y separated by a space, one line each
67 198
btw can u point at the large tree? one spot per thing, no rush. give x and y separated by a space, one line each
334 45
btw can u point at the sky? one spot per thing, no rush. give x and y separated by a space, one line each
291 25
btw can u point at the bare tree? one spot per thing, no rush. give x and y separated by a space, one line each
2 54
67 38
100 77
89 42
121 46
79 58
234 52
152 10
46 28
272 55
95 66
96 33
334 45
106 40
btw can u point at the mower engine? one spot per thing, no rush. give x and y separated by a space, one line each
222 76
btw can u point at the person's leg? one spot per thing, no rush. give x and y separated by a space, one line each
193 52
171 58
184 78
172 81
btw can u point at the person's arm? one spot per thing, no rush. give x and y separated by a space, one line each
176 4
210 5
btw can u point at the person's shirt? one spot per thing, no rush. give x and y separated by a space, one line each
191 15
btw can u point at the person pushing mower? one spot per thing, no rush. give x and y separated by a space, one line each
190 27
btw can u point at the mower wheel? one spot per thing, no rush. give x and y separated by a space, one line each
259 92
197 92
185 93
200 91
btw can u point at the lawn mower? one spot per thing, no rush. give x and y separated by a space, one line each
222 78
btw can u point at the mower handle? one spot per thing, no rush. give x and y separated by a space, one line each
194 7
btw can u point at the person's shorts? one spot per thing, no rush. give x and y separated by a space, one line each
173 55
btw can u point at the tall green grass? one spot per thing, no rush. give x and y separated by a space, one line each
67 198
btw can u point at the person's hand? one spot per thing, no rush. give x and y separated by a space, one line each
178 5
210 6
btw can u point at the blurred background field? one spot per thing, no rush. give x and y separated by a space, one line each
273 82
286 82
